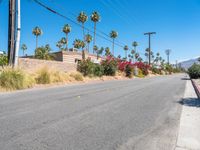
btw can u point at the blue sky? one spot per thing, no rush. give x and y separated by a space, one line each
177 23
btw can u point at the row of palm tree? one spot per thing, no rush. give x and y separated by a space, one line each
82 18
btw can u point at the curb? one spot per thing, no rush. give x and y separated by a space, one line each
196 87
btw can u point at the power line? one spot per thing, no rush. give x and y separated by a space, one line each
71 20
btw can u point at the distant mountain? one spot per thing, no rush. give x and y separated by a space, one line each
188 63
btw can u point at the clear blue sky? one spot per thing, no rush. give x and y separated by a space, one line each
177 23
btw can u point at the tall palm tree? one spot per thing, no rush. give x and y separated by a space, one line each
77 43
88 39
59 45
37 32
95 17
113 35
82 43
167 52
24 48
132 53
67 30
135 44
107 51
126 49
82 18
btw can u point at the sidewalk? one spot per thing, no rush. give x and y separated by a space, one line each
189 132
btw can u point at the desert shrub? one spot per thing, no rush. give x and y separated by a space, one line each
110 66
194 71
140 74
98 70
47 76
3 60
143 67
169 68
86 67
155 70
129 71
77 76
15 79
43 76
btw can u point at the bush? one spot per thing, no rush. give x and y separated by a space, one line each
143 67
44 76
140 74
129 71
15 79
77 76
194 71
156 70
43 52
3 60
86 67
98 70
110 66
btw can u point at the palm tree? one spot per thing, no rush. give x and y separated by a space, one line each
37 32
107 51
82 43
113 35
95 17
78 44
167 52
59 45
135 44
137 56
67 30
132 53
99 52
126 49
88 39
82 18
24 48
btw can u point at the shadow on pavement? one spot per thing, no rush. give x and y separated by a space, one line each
185 78
191 102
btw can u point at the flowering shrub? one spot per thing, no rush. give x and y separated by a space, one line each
110 66
129 70
142 66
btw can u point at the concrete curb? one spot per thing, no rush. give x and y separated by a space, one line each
196 87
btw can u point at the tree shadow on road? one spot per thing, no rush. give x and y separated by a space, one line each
185 78
191 102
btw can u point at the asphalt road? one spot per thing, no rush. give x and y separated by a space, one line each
113 115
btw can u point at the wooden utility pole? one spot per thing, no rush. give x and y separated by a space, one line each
149 34
11 32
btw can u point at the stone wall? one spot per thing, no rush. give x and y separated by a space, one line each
32 65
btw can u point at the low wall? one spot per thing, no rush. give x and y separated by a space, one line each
32 65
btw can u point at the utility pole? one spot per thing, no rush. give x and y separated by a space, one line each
149 34
167 52
11 32
17 45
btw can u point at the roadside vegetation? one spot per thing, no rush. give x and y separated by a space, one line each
194 71
107 64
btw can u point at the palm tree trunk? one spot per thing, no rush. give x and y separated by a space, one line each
36 41
88 47
66 42
94 41
113 47
23 53
126 54
83 31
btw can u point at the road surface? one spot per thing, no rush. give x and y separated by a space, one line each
113 115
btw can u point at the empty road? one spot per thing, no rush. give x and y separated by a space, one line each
113 115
